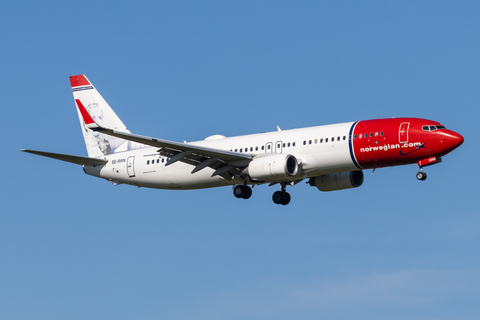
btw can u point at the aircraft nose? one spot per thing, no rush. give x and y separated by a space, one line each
452 139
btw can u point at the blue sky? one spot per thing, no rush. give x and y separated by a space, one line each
76 247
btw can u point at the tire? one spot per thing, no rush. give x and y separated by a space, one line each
247 192
286 198
420 175
277 197
238 191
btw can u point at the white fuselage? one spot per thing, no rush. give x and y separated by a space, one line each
147 168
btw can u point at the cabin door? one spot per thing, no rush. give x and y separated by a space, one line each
403 132
130 168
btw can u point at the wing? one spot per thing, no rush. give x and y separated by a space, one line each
68 158
225 163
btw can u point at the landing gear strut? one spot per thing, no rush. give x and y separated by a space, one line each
241 191
281 197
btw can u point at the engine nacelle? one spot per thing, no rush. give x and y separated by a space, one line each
272 166
337 181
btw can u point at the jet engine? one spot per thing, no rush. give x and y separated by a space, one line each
270 167
337 181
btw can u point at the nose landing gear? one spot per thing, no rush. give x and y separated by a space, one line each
421 175
426 162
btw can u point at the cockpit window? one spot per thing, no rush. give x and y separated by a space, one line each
432 128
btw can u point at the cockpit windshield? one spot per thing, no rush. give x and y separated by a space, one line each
432 128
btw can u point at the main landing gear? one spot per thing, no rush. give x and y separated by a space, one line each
279 197
242 191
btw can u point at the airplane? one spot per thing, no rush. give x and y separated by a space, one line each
330 157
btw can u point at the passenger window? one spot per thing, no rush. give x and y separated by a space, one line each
268 147
381 133
344 138
371 134
293 144
376 134
304 142
256 148
338 138
163 160
326 139
310 142
355 136
263 147
278 146
321 140
148 161
316 140
288 144
366 135
236 150
333 139
284 145
241 149
158 160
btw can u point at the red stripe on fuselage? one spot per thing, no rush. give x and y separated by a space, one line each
374 150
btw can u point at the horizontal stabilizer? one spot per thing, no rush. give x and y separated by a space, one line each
68 158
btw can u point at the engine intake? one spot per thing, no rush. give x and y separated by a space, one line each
337 181
272 167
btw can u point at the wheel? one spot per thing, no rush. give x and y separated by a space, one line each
238 191
286 198
247 192
244 192
421 175
277 197
281 197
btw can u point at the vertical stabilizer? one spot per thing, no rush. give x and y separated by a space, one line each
98 144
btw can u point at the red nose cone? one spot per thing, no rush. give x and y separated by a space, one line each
452 140
458 139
